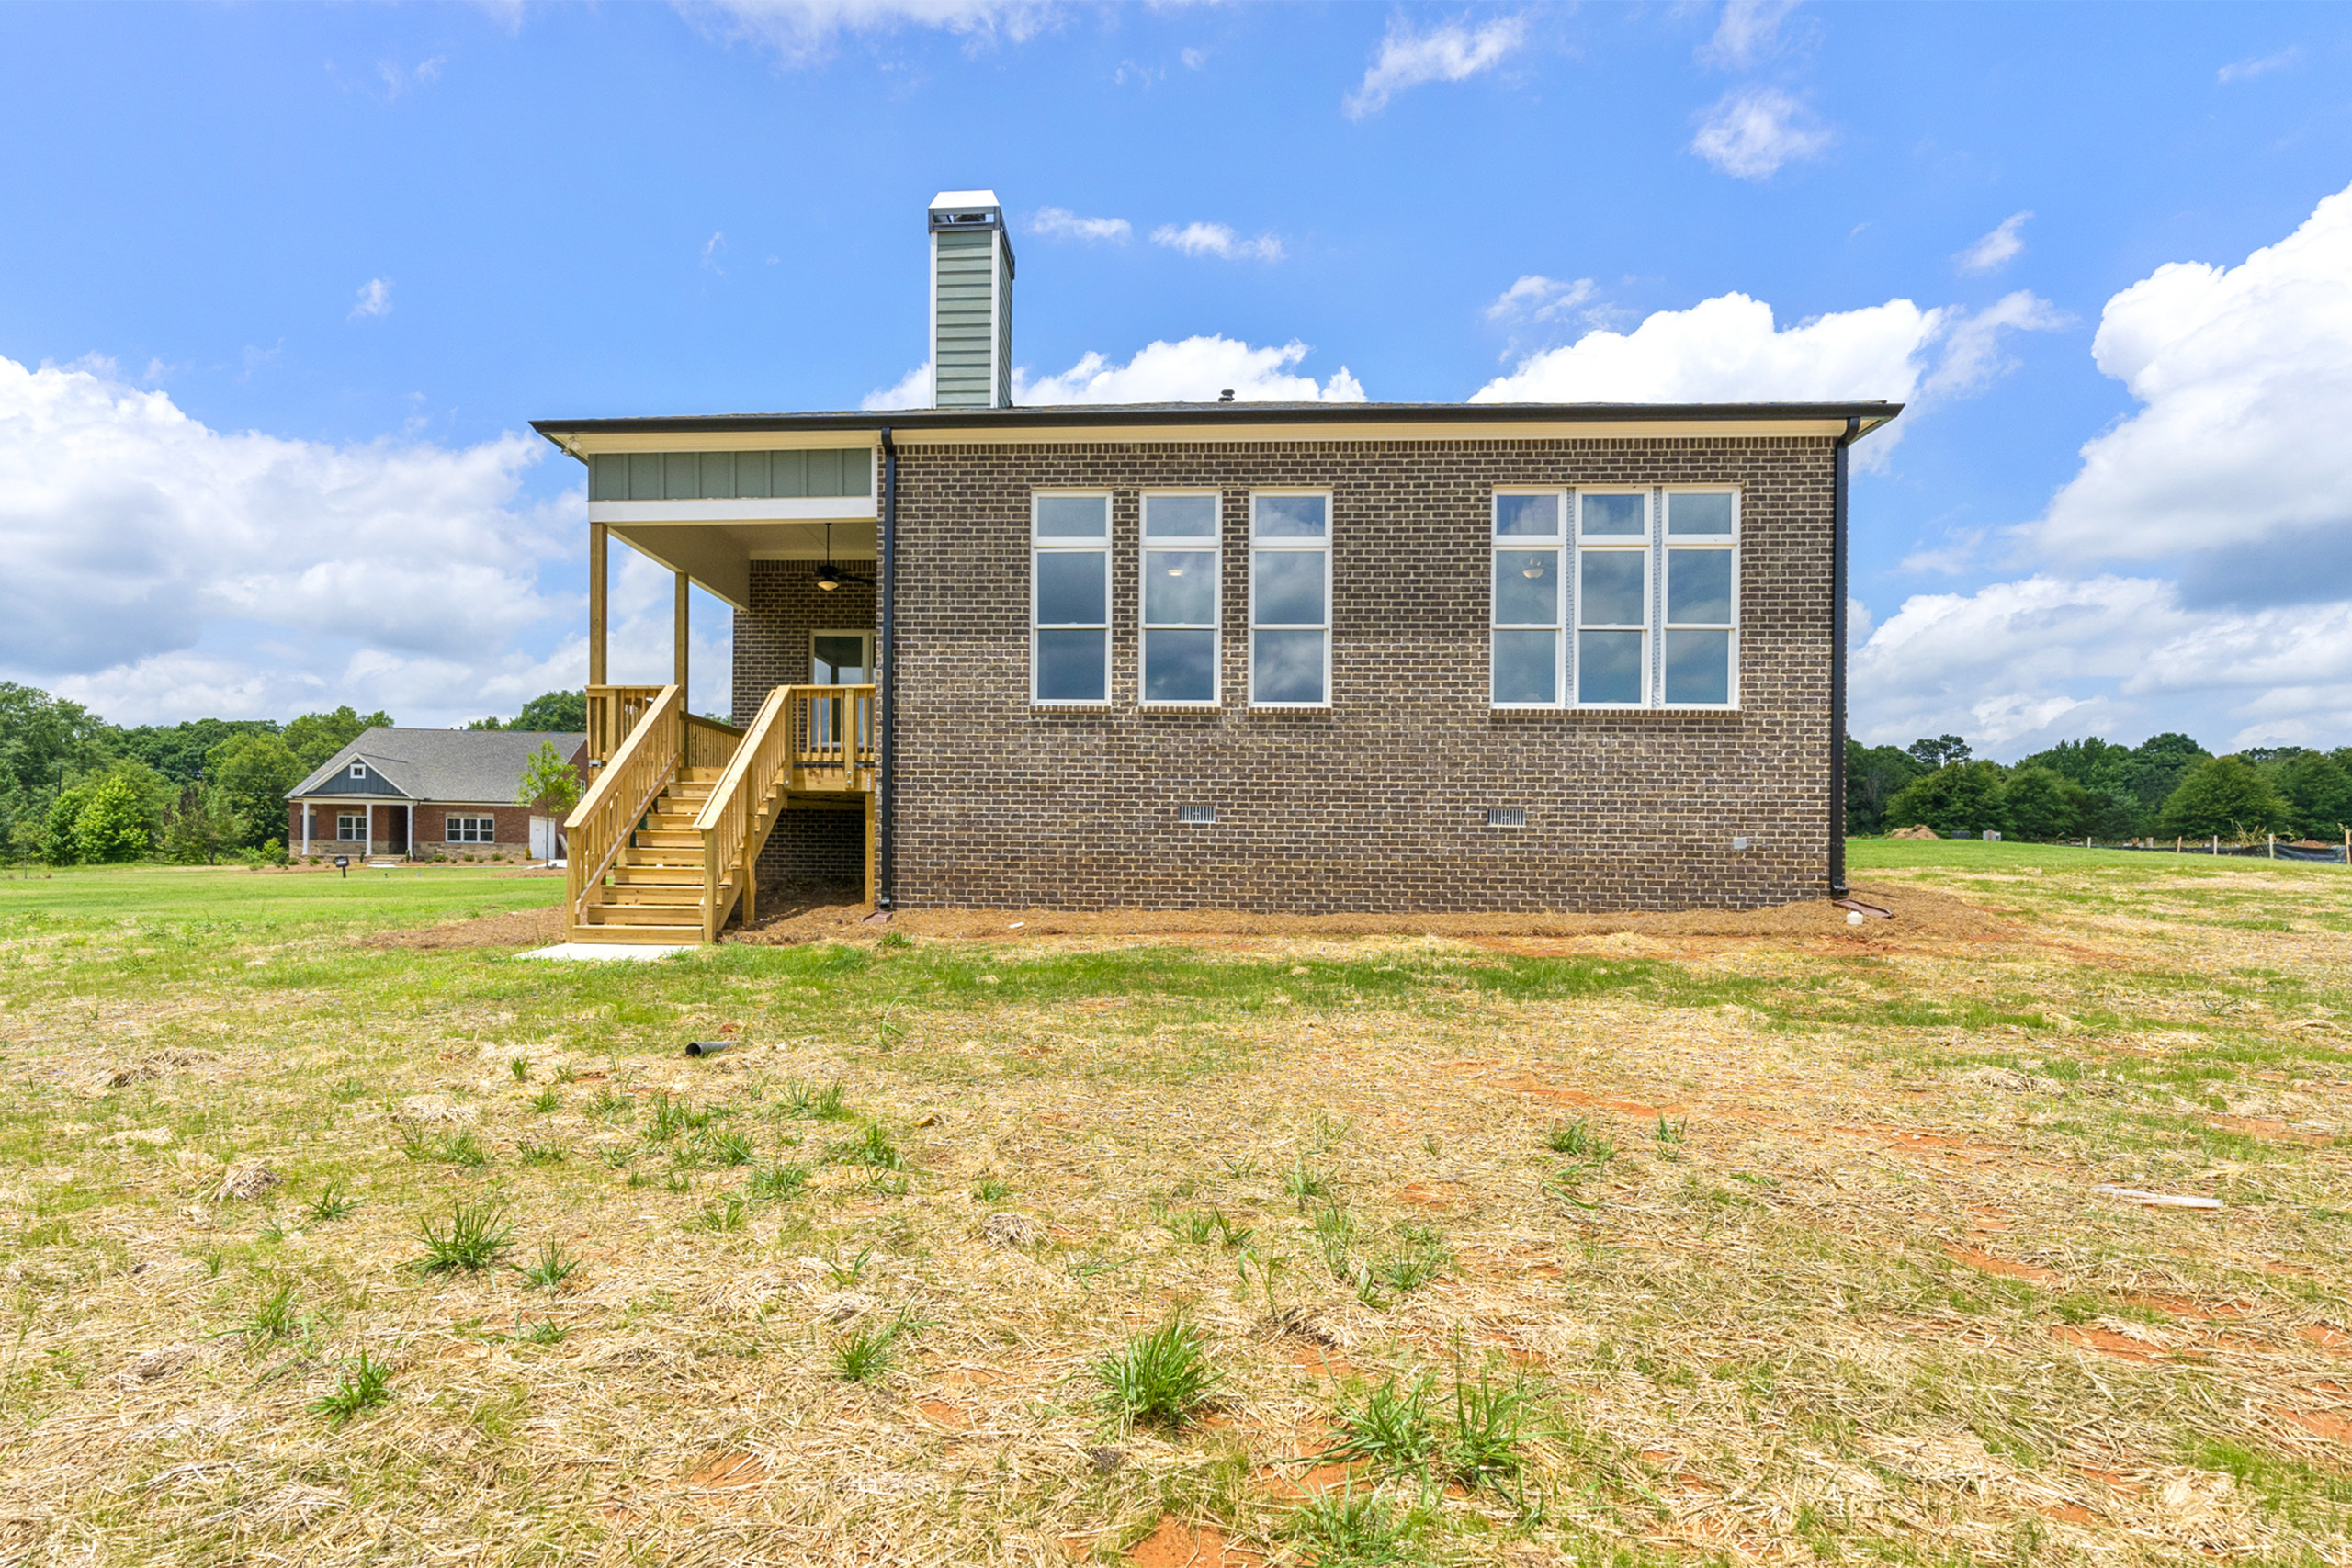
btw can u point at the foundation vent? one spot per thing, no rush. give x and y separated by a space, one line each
1200 816
1506 816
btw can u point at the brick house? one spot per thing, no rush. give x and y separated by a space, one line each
421 794
1284 657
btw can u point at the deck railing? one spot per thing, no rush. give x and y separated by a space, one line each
833 737
613 712
730 818
709 743
628 783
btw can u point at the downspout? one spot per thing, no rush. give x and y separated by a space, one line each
1838 665
885 751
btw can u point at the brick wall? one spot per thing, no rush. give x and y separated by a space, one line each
1378 804
816 846
772 637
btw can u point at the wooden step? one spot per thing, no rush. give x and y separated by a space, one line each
658 875
646 915
646 896
665 839
702 776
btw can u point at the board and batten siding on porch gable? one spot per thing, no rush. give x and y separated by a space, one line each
731 476
962 379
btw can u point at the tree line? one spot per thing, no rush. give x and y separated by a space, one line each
2167 787
76 790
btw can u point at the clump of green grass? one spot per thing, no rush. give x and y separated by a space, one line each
844 1275
606 1104
991 1189
364 1383
1390 1427
538 1151
871 1147
521 1068
865 1354
567 1074
546 1100
349 1090
671 1117
553 1268
727 1148
1348 1529
722 1218
333 1204
1420 1255
1204 1226
463 1149
778 1181
474 1238
1671 1136
1162 1378
1490 1421
1395 1427
544 1332
1579 1142
274 1318
806 1102
1304 1184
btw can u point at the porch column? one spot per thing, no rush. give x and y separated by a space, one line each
678 642
596 604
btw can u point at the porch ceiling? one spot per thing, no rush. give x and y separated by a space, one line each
718 556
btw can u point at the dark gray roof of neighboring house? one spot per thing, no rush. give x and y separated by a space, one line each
475 766
1870 414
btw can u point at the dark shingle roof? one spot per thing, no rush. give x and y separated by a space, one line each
471 765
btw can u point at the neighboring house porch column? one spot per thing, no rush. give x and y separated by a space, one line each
409 851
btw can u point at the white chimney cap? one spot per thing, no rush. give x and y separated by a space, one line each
965 199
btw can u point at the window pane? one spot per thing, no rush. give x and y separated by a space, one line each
1610 591
839 661
1179 586
1069 587
1607 515
1286 667
1293 516
1180 516
1179 666
1528 514
1526 667
1527 587
1289 587
1609 667
1070 667
1073 517
1698 667
1699 514
1698 586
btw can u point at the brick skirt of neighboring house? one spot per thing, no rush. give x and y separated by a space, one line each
388 829
1379 802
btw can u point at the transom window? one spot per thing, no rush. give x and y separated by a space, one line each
1070 638
1180 598
471 830
1290 599
1616 598
351 827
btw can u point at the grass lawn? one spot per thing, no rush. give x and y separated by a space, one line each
1607 1248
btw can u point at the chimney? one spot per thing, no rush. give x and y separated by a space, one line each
971 302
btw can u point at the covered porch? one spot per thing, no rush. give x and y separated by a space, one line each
667 844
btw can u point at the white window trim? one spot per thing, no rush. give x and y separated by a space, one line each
1646 546
1667 544
1213 543
1330 527
1039 544
1563 631
365 826
358 769
449 829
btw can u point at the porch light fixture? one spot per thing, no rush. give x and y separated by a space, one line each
829 576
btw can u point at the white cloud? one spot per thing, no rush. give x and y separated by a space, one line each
800 32
1453 52
1751 132
1061 223
1195 59
2245 375
1857 622
712 249
2248 70
159 568
1748 30
1996 250
1972 358
1540 299
1216 240
912 390
1193 371
374 299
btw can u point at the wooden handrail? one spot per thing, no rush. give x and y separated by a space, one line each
613 712
626 788
725 821
832 731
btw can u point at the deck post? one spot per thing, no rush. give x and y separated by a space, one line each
678 645
870 889
596 554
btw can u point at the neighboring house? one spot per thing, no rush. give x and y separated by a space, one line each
1280 657
418 792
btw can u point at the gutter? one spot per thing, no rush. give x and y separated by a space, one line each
885 749
1855 431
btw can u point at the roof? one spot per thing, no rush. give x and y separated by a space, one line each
1860 417
471 765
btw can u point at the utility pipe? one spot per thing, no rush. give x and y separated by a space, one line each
1837 663
886 655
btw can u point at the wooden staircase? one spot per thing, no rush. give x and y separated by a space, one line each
666 844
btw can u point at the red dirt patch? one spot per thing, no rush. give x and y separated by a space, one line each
1175 1544
1436 1194
2069 1513
2182 1306
2320 1424
2269 1129
1315 1358
939 1413
1986 1263
2108 1343
2327 1336
519 927
730 1469
1286 1482
2114 1478
1538 1089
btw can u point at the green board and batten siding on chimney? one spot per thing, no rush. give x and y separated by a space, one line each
965 367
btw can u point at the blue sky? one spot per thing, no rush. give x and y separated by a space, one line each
280 287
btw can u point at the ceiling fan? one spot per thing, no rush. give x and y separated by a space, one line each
829 576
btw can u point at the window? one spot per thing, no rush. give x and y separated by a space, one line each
1526 652
1612 598
471 830
1290 600
1069 640
358 769
351 827
1701 628
1180 598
